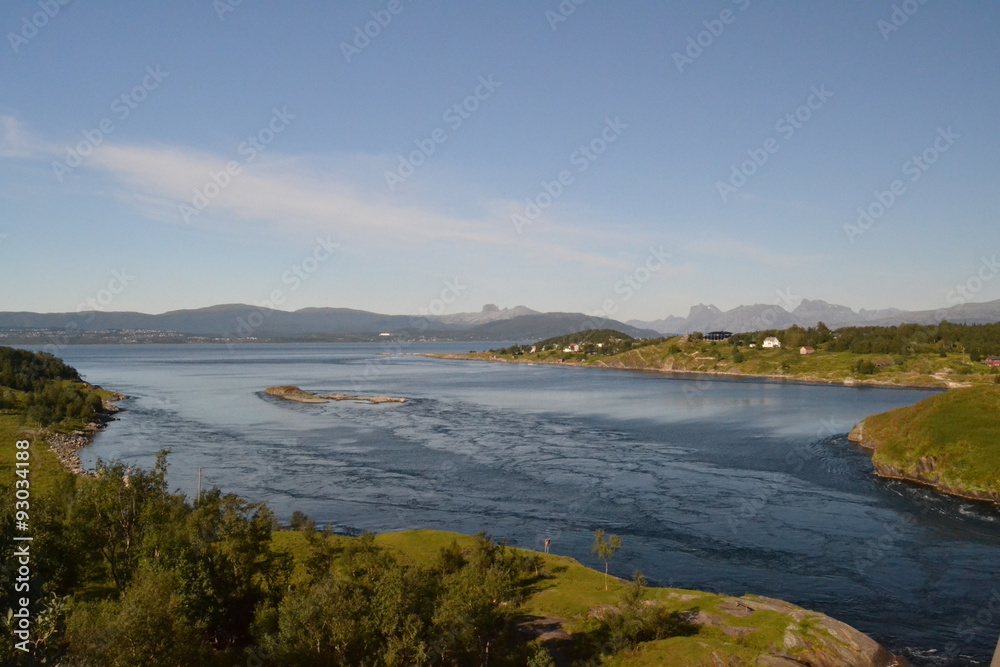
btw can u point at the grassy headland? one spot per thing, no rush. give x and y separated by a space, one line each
566 615
945 356
950 441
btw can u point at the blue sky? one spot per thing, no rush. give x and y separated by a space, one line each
272 152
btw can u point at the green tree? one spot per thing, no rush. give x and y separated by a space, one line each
112 512
146 627
635 620
225 567
605 547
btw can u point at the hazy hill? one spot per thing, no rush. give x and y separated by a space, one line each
244 321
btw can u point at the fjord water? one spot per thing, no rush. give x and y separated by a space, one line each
731 485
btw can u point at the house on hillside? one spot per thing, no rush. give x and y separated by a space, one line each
572 347
807 350
992 362
771 341
718 335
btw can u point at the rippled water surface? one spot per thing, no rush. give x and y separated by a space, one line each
729 485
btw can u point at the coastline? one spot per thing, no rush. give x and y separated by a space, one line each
889 471
848 382
66 446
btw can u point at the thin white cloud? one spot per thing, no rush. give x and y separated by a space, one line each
16 142
289 193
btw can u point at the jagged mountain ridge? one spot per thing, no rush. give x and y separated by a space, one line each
810 312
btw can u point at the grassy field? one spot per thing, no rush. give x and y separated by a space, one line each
689 356
951 440
46 470
568 594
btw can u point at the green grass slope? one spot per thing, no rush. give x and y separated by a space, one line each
716 629
683 355
951 441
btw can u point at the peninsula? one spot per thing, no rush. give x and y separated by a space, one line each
946 356
950 442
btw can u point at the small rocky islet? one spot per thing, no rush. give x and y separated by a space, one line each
292 393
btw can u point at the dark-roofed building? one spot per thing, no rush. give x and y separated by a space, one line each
718 335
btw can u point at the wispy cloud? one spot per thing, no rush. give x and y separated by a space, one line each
291 193
17 142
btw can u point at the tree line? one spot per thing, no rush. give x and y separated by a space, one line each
44 389
976 340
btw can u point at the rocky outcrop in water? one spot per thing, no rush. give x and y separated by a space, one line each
290 393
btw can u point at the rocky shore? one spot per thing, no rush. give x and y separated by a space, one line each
668 367
66 445
925 473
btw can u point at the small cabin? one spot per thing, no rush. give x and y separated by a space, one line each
992 362
771 341
807 350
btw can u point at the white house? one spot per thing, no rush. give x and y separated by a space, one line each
572 347
771 341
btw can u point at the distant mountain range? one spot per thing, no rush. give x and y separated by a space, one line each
243 322
808 313
240 321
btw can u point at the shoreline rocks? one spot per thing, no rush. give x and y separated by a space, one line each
67 445
291 393
925 473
